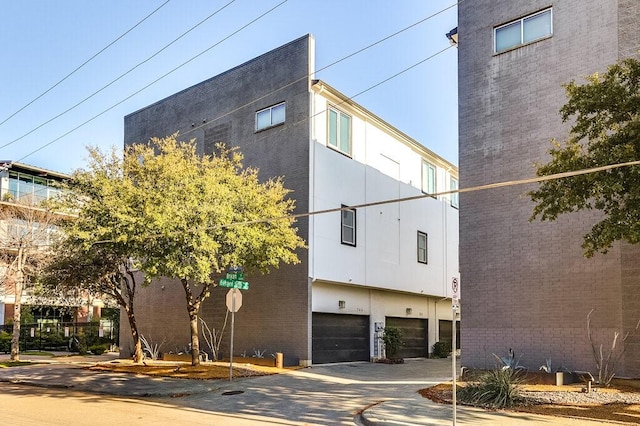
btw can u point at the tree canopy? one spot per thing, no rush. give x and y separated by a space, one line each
181 215
605 130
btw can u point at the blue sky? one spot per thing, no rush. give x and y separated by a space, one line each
43 41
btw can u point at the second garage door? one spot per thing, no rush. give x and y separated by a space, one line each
414 334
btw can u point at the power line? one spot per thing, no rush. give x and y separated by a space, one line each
154 81
249 103
344 58
119 77
80 66
504 184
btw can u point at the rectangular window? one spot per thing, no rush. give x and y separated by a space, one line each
523 31
270 117
339 131
348 226
428 178
422 247
454 196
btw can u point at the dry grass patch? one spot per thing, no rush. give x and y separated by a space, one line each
181 370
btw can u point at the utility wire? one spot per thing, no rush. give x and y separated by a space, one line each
80 66
504 184
119 77
249 103
344 58
153 82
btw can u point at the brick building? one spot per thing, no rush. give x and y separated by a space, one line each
364 267
526 284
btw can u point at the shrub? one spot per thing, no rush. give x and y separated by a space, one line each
440 350
99 349
392 338
496 389
5 342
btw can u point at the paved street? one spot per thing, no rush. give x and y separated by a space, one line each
63 392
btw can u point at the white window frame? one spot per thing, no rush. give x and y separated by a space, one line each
453 186
429 185
346 227
422 244
338 145
271 120
522 23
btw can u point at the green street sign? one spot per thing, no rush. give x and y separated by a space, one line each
239 284
235 276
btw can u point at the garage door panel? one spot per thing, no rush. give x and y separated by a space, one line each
339 338
414 335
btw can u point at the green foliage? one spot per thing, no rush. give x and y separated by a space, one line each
393 341
5 342
441 349
496 389
605 130
26 316
173 213
98 349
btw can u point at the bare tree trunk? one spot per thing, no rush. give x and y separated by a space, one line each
130 285
19 286
195 341
137 352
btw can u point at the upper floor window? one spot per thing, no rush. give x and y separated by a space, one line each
523 31
339 131
35 188
270 117
453 185
428 178
422 247
348 226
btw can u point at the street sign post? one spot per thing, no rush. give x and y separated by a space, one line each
454 305
234 280
234 301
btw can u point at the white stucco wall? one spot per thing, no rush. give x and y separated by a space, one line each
385 256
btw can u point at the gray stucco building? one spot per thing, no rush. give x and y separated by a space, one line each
526 285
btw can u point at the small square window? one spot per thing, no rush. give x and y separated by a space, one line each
348 226
422 247
270 117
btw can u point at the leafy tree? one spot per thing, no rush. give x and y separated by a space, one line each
26 231
605 130
79 269
179 215
203 214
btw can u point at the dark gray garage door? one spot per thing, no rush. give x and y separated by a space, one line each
339 338
414 334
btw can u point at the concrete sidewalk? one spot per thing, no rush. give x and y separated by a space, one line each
403 406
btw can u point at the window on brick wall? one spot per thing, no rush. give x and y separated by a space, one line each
270 117
528 29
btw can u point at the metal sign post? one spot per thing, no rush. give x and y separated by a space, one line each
234 302
454 306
